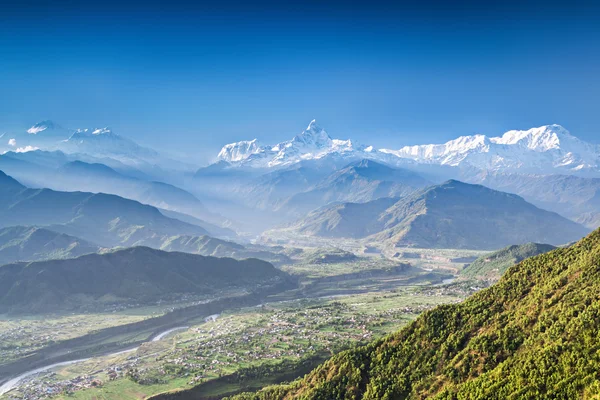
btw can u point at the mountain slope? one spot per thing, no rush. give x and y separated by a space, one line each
492 266
138 274
210 246
354 220
99 218
451 215
533 335
358 182
25 243
571 196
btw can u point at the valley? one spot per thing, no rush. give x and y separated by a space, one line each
337 305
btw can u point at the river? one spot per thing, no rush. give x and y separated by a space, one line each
14 382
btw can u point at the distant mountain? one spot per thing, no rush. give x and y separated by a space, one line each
210 246
492 266
577 198
358 182
46 134
311 143
104 142
79 175
58 171
100 143
25 243
547 149
273 189
104 219
530 336
352 220
135 275
451 215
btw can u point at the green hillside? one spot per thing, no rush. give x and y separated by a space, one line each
533 335
134 275
492 266
26 243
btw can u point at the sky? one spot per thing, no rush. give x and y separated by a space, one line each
187 78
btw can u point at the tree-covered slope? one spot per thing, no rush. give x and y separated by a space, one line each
492 266
533 335
136 275
26 243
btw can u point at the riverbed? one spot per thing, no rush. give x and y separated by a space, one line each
14 382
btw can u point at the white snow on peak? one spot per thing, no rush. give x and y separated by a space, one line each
41 126
545 150
540 150
26 149
538 139
102 131
239 151
313 142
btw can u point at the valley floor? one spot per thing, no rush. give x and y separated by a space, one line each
337 306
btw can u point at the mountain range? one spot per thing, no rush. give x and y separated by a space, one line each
59 171
100 143
546 165
452 215
547 149
258 186
107 220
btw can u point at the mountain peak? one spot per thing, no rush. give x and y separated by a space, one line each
313 126
239 151
102 131
312 136
543 138
42 126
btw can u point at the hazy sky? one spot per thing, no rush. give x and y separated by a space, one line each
192 78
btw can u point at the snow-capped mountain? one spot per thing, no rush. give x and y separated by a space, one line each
103 142
311 143
548 149
45 135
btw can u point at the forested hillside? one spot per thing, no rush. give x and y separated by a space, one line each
533 335
492 266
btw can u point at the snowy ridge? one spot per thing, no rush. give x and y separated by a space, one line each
546 149
98 142
543 149
311 143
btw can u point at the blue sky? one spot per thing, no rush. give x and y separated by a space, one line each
191 78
